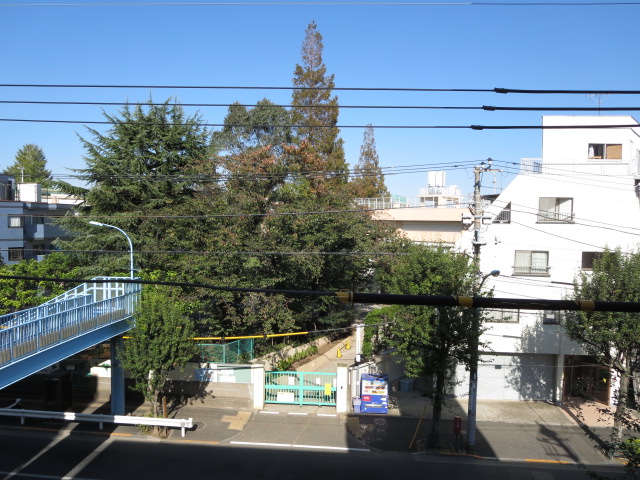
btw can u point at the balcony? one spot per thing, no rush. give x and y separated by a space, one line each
529 271
555 217
566 166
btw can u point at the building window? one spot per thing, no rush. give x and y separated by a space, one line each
531 263
504 216
15 221
588 258
502 315
16 254
555 210
610 151
38 250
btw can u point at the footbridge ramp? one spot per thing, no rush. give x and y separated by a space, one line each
87 315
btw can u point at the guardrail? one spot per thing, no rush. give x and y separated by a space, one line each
180 423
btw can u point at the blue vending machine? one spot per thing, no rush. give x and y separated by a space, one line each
374 393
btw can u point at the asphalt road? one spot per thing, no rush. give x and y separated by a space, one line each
43 455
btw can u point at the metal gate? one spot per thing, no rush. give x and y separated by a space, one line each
300 388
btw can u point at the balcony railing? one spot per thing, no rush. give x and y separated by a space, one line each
555 217
503 217
529 271
568 166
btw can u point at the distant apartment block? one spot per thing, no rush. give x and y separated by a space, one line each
432 217
27 214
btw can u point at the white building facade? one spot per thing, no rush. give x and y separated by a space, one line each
547 226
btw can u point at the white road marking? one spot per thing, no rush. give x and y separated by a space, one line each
310 447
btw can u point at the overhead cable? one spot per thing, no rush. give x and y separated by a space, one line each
380 89
383 298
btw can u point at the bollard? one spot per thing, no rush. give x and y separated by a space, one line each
339 353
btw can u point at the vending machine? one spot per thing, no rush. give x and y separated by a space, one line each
374 393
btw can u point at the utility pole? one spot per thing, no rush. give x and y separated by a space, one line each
478 241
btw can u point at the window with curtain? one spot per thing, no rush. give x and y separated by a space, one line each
531 263
15 221
609 151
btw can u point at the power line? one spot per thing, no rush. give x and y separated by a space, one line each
488 108
327 4
500 90
420 127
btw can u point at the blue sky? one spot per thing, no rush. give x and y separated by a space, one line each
471 46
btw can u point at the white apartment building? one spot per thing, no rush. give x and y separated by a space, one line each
583 195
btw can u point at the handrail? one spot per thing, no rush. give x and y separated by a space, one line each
182 423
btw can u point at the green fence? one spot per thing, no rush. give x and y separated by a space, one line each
240 351
300 388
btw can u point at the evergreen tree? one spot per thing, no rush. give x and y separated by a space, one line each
315 111
368 179
30 166
149 164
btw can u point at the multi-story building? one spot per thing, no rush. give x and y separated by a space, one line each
547 225
431 217
26 220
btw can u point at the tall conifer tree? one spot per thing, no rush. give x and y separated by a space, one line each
315 109
368 181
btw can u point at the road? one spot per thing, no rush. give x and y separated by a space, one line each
43 455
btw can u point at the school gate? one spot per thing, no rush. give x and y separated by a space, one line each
300 388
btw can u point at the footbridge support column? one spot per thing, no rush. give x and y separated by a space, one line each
117 378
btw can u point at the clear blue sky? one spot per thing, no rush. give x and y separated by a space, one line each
385 45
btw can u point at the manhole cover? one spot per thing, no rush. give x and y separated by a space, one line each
198 425
380 421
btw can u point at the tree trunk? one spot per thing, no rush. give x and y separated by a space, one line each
621 411
438 398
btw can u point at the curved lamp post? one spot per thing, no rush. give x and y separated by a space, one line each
98 224
473 369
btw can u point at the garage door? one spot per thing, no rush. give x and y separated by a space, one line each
516 377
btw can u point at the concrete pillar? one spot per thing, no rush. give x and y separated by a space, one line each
342 388
117 378
257 379
559 379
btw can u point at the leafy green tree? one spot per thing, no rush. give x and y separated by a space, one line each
612 337
315 111
21 294
265 125
30 166
431 341
161 340
368 179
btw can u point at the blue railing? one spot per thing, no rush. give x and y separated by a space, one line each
84 309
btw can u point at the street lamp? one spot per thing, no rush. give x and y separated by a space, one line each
473 368
98 224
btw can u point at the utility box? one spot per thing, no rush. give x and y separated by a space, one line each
406 384
57 391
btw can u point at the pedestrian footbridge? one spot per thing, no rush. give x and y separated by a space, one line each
87 315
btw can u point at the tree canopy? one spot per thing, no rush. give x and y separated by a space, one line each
30 166
315 110
368 179
612 337
431 341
